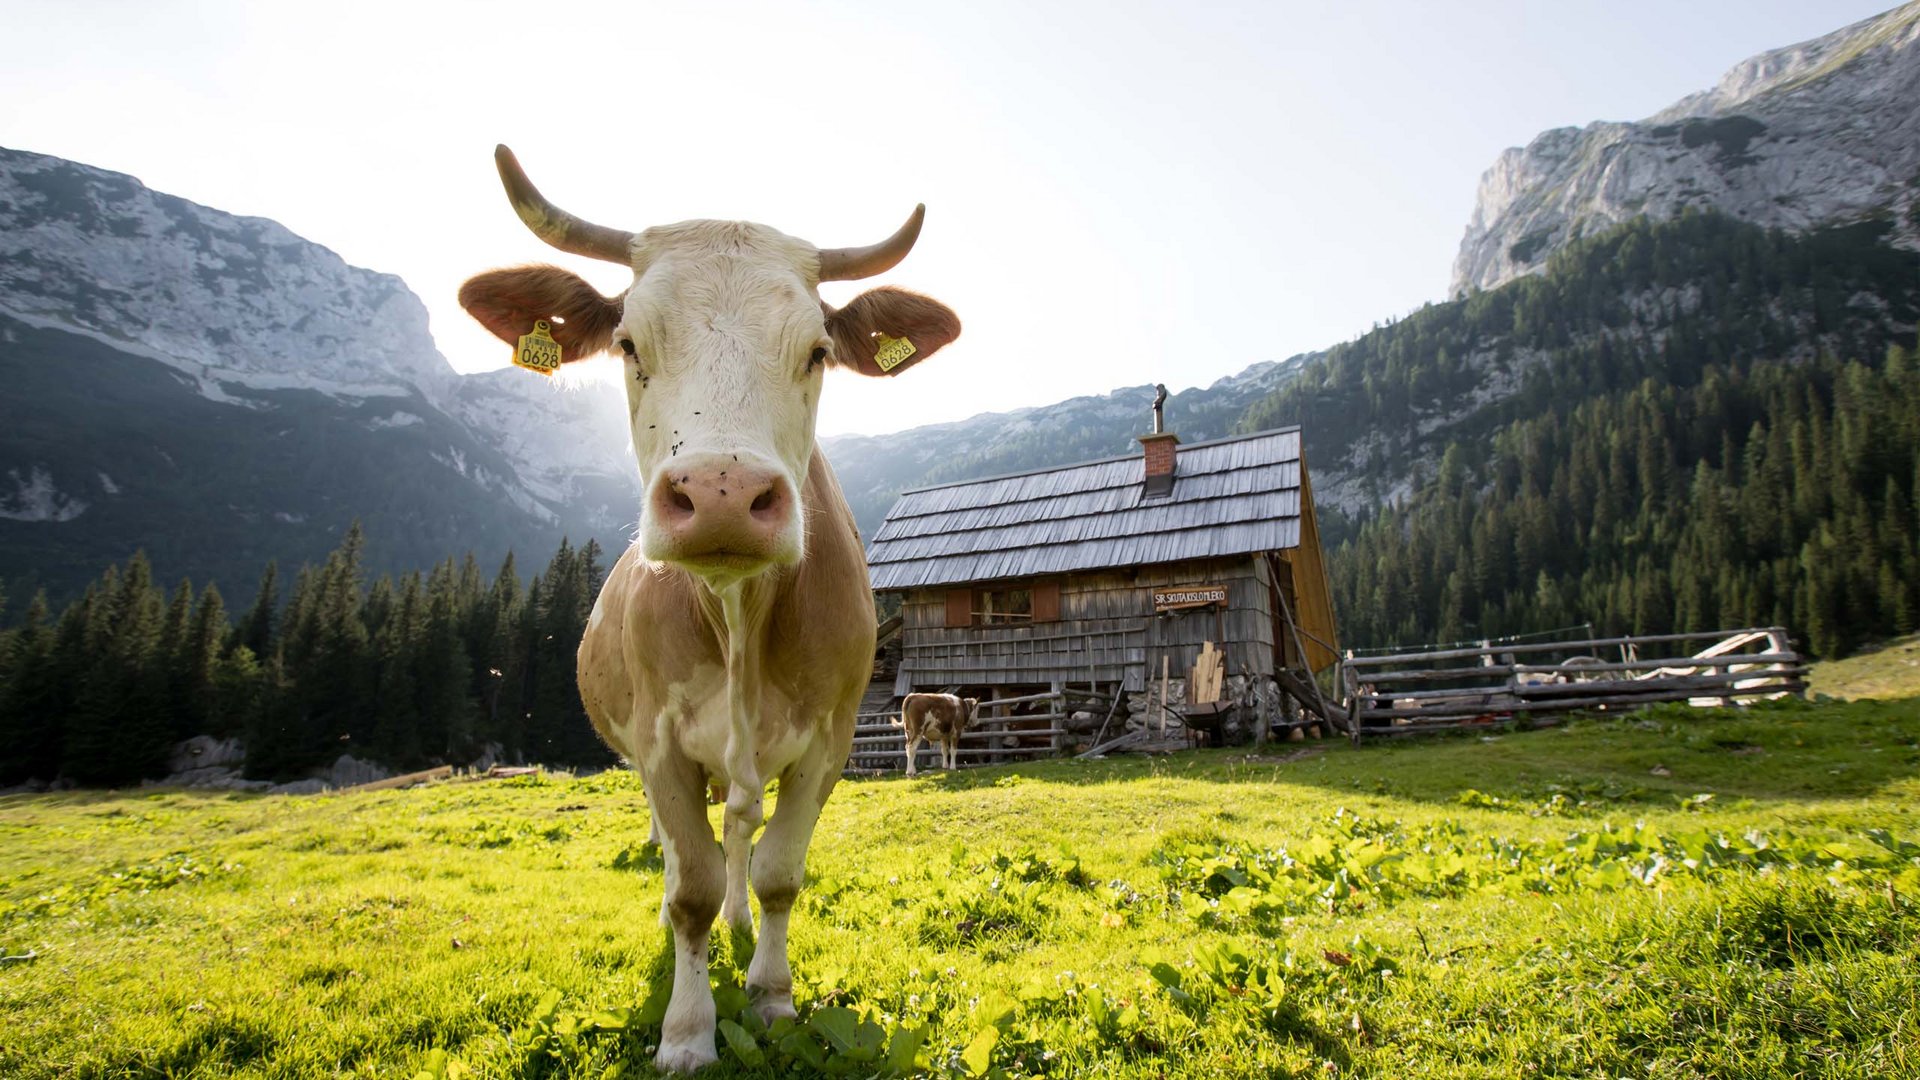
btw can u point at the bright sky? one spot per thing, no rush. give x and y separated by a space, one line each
1117 192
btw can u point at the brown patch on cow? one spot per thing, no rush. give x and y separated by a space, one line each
928 323
700 878
508 302
776 897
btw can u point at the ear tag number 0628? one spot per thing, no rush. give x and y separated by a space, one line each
891 352
538 351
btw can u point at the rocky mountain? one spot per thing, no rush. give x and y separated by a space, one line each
1826 132
220 391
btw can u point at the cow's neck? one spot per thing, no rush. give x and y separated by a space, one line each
740 614
744 793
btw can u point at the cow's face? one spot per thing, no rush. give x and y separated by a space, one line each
725 343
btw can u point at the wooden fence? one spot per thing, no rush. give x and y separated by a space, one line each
999 732
1440 689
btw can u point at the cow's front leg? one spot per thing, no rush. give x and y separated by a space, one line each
780 867
695 880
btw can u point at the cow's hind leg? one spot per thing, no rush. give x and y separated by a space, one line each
913 755
779 868
737 846
695 881
746 791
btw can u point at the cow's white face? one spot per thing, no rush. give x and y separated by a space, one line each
725 345
725 342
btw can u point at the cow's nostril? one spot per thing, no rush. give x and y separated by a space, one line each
681 502
764 501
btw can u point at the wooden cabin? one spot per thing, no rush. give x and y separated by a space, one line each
1111 574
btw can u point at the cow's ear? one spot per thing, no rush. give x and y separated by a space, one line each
886 331
508 302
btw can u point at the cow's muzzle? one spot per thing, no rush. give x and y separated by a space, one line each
721 516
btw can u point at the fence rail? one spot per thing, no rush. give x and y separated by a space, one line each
1397 694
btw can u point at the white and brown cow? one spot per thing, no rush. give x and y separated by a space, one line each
733 640
940 719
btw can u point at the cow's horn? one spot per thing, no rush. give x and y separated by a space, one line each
554 225
847 264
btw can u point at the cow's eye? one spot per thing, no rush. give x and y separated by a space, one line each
626 346
819 357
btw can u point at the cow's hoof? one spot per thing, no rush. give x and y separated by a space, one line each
684 1057
774 1006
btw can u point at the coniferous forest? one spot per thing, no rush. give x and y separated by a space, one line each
431 668
1708 425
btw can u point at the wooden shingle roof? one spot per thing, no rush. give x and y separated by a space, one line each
1230 496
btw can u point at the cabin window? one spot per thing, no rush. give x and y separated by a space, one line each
1004 606
1021 602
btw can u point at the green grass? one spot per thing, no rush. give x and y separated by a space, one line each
1713 893
1890 671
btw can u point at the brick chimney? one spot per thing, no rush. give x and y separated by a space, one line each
1157 478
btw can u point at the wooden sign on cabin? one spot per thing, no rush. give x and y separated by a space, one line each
1189 596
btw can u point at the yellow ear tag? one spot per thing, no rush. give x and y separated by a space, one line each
893 351
538 351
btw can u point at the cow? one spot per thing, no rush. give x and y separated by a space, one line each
939 718
733 640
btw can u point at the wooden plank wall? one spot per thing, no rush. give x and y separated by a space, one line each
1107 632
1312 595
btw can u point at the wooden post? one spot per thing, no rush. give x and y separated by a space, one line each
1263 719
1163 694
1059 705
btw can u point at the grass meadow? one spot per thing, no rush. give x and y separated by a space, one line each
1672 894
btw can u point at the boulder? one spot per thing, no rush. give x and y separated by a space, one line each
309 786
206 752
348 771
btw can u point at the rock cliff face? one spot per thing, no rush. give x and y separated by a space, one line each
1826 132
220 391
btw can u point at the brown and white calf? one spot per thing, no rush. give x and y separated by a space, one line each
940 719
733 640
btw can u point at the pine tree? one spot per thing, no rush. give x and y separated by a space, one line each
236 692
490 648
197 659
396 734
168 668
256 630
442 672
30 700
117 730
